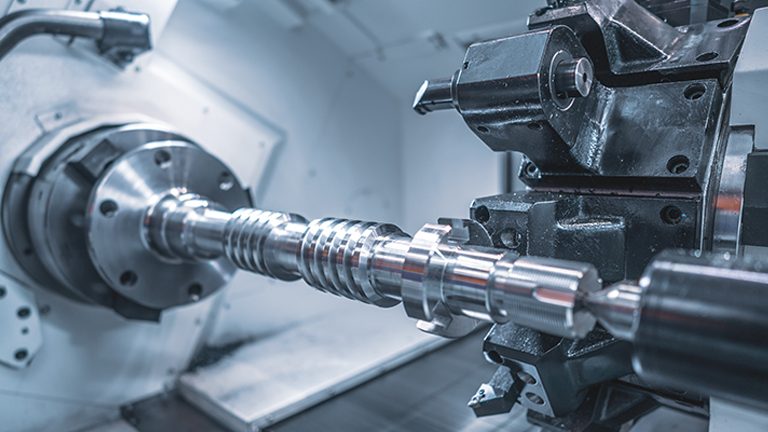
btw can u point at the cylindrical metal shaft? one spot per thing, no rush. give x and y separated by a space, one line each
434 95
434 274
696 323
703 325
573 78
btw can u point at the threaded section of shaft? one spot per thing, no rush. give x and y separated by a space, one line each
263 242
338 256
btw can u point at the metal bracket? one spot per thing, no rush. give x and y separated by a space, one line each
20 323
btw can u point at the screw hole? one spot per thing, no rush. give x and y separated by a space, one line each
162 159
510 238
531 170
2 291
678 164
226 181
108 208
694 91
24 312
706 57
728 23
128 278
21 354
482 214
482 129
533 397
195 291
672 215
526 378
25 330
534 126
494 357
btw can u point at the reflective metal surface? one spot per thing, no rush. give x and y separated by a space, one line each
441 282
573 78
120 35
45 202
122 202
726 235
702 326
617 308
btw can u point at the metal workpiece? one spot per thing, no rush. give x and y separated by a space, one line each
545 294
702 325
617 309
141 219
119 35
440 279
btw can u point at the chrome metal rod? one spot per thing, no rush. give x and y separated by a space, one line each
438 278
123 30
434 95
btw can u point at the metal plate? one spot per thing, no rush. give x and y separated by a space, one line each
21 337
119 204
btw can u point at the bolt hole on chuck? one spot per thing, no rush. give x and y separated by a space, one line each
226 181
195 291
108 208
129 278
21 354
162 159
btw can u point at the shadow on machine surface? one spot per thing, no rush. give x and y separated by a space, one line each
428 394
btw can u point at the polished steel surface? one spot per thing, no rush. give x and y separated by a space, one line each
573 78
45 201
702 325
434 95
617 308
123 204
545 294
446 284
726 235
124 31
